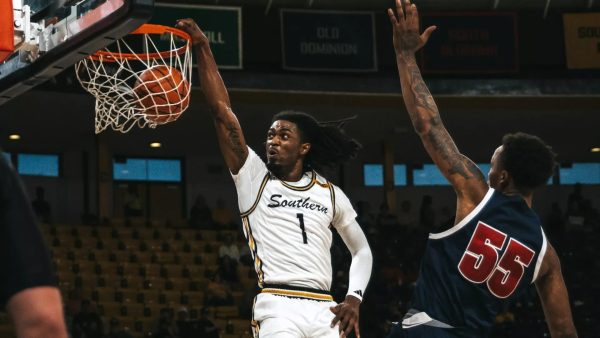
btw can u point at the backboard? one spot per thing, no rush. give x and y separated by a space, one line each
51 35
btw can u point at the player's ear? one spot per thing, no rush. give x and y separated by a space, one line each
504 179
304 149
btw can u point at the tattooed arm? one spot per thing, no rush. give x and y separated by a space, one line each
229 131
466 178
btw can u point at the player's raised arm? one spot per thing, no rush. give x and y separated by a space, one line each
463 174
229 131
555 299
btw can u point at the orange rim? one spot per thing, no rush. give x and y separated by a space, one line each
107 56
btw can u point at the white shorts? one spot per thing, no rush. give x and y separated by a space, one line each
276 315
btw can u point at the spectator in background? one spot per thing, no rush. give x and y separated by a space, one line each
217 292
229 254
41 207
555 222
406 217
385 218
200 214
365 216
427 214
72 306
223 216
201 328
115 330
574 216
185 326
87 323
229 250
446 218
246 304
246 256
366 219
68 314
205 327
167 328
591 217
575 196
133 202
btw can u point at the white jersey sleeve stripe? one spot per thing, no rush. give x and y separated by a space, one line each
254 251
332 190
541 256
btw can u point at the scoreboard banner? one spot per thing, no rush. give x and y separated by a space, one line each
335 41
471 43
582 40
222 26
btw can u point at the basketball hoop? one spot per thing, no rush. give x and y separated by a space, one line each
142 79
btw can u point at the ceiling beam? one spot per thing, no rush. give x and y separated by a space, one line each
546 8
268 8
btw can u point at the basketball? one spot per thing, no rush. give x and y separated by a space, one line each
162 93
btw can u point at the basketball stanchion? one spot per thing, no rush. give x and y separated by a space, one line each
142 79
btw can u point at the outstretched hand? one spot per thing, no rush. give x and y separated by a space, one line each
405 23
346 313
189 26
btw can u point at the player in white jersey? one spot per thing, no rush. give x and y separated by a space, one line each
288 210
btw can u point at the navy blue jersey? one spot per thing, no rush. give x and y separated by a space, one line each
470 271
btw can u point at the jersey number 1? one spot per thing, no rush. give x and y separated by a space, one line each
301 219
480 261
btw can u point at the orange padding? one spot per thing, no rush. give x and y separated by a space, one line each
7 42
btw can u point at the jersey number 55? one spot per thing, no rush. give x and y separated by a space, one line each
480 262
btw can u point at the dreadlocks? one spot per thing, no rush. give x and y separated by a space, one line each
330 146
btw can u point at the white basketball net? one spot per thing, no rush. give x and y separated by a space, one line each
111 79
